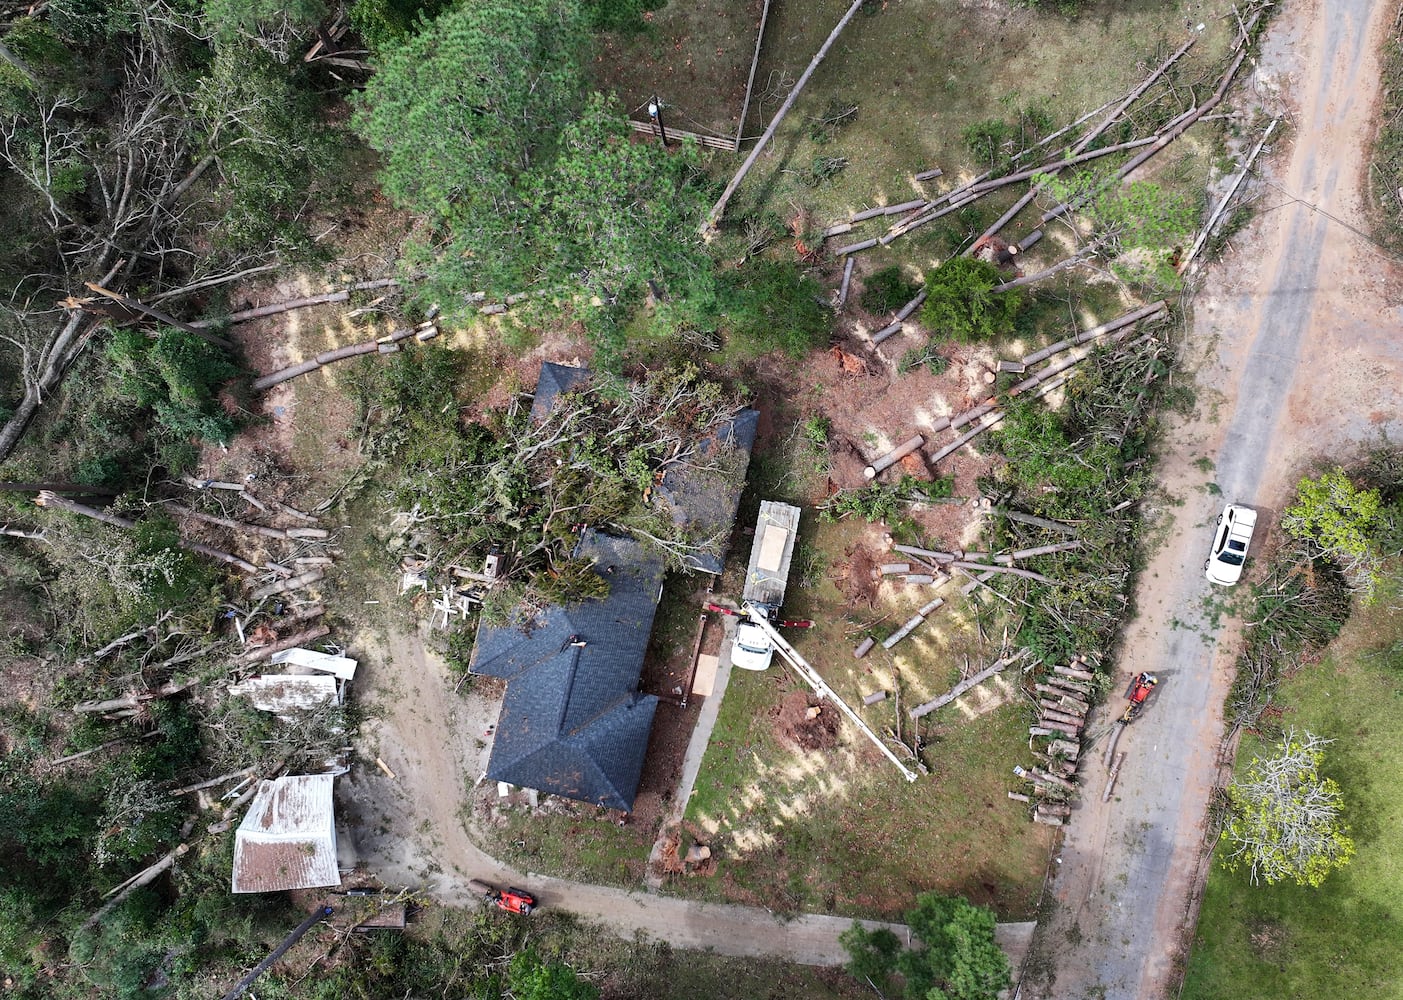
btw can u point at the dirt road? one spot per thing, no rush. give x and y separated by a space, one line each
1302 351
408 830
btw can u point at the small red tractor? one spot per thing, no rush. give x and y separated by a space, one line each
1138 693
509 899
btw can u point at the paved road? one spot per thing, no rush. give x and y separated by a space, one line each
1303 357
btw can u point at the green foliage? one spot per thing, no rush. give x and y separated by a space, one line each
1285 820
466 107
273 143
928 356
1386 173
956 958
887 290
1066 8
886 502
1340 519
872 955
1143 225
382 23
613 213
962 304
178 376
527 183
824 169
618 15
987 140
772 305
273 25
531 978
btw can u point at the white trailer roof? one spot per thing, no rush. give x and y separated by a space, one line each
285 694
287 839
309 659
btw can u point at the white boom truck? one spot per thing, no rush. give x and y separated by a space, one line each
765 580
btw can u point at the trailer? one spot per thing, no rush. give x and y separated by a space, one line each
766 578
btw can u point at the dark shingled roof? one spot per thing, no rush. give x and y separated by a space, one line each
573 722
705 500
553 380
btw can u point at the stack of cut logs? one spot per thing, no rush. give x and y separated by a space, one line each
1064 698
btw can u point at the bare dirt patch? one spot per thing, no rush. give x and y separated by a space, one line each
807 721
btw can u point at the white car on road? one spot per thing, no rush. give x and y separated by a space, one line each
1230 542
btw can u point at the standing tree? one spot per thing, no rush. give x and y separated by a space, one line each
1339 520
957 958
466 109
1285 821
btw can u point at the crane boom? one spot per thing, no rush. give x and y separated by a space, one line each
811 677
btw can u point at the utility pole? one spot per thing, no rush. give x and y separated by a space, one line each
655 113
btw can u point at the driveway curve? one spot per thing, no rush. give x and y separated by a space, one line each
409 831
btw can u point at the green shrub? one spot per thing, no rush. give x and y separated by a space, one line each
887 290
772 305
962 304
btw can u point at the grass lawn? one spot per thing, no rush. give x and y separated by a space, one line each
921 72
1339 941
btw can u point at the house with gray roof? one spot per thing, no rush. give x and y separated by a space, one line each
573 721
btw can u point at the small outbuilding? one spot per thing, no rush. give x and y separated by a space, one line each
287 840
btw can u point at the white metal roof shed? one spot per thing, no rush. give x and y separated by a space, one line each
287 840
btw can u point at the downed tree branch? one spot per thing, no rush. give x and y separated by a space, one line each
1222 205
717 210
53 500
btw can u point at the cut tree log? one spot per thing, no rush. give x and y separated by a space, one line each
892 457
1110 326
894 569
300 639
1065 728
1047 272
1066 718
1041 550
717 210
158 315
1039 522
965 685
273 309
847 279
864 647
1020 797
913 624
281 586
1027 574
1111 778
1081 675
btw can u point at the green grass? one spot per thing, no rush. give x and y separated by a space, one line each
1340 941
921 72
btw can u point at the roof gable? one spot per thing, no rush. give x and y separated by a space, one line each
552 381
704 494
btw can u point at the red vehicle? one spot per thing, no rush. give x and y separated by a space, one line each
510 899
1138 694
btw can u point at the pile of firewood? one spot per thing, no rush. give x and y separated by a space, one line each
1064 699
